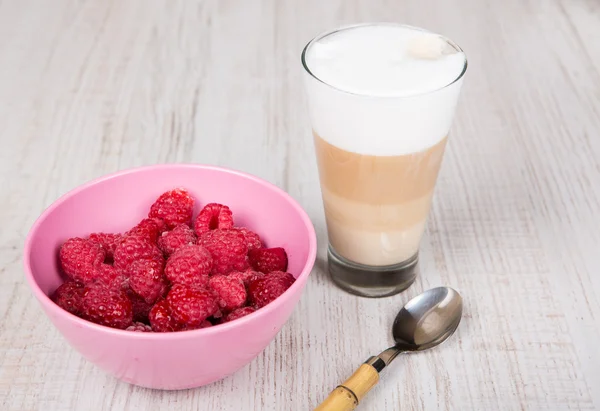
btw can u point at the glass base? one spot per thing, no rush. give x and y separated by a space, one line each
370 281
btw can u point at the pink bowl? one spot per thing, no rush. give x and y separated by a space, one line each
116 202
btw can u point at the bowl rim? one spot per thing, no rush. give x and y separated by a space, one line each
264 311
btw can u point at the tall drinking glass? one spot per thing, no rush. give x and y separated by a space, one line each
381 100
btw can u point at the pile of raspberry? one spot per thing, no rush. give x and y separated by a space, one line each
171 272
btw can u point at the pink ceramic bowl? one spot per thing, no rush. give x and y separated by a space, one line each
116 202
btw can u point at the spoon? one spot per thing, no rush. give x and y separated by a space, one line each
424 322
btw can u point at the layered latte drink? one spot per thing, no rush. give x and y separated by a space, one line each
381 101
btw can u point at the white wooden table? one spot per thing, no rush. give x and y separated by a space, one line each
91 87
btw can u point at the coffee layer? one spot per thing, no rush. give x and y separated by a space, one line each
376 206
378 179
372 234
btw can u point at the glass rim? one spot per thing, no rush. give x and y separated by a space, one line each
353 26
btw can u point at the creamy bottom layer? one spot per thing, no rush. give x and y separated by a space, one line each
373 234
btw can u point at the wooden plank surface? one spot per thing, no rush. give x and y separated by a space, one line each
92 87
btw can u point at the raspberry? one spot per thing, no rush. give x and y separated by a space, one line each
266 260
110 277
238 313
79 257
264 290
139 327
189 265
161 319
252 239
230 290
108 242
135 247
228 249
104 306
245 276
191 306
174 207
147 280
68 296
170 241
149 228
213 216
160 224
141 309
205 324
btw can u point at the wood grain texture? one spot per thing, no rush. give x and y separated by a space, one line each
92 87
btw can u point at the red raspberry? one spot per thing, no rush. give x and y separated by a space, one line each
228 249
238 313
189 265
139 327
105 306
252 239
68 296
245 276
160 223
174 207
230 290
170 241
264 290
191 306
213 216
266 260
111 277
108 242
146 279
149 228
141 309
161 318
135 247
79 257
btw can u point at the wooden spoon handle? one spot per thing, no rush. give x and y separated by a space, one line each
348 395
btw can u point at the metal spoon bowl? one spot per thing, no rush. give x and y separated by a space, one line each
424 322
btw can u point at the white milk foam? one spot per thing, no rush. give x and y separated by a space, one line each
384 89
